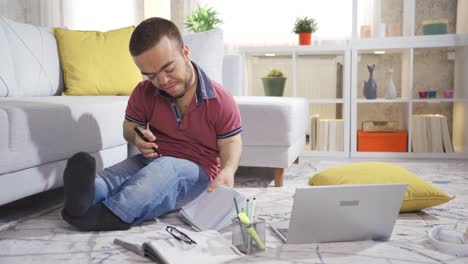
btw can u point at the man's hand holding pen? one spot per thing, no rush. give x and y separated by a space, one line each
144 141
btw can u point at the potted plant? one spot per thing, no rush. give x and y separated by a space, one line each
305 27
273 83
202 19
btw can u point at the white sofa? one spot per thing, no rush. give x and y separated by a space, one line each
40 130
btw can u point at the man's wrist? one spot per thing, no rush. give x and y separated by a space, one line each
228 171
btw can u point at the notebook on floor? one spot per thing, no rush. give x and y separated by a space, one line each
342 213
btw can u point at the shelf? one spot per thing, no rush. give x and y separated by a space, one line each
405 42
439 100
327 101
382 100
301 50
407 155
331 76
433 41
310 153
402 100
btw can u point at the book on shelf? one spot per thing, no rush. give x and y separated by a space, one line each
322 141
161 247
313 131
331 135
447 141
327 134
435 132
339 135
212 210
430 133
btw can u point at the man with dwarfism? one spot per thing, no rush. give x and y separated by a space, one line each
193 122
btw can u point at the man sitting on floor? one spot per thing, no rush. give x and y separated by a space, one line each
193 122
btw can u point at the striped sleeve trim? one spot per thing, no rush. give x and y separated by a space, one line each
134 120
230 134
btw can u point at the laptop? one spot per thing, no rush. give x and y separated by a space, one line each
335 213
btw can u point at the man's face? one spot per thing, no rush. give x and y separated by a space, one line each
167 65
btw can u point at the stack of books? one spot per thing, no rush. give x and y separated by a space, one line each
326 134
430 133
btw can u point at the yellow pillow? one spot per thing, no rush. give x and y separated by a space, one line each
419 195
97 63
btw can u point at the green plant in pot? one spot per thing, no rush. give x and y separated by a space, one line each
274 82
305 26
202 19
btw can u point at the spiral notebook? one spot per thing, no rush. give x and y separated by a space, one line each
212 210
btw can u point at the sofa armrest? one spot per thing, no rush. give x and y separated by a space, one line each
233 74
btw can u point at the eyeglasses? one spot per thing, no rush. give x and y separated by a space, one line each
180 236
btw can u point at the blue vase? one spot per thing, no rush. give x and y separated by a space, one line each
370 86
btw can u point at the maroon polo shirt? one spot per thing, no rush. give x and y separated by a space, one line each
212 114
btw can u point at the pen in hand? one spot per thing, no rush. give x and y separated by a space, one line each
145 139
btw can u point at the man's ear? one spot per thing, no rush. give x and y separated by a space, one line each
186 52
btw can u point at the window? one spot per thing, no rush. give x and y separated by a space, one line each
267 23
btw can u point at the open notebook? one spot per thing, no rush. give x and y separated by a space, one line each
212 210
159 246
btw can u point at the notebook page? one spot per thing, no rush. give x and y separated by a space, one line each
213 210
211 247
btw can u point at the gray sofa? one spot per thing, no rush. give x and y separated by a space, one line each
40 129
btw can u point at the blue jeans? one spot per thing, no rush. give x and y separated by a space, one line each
138 188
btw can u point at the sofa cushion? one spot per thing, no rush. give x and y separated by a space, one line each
30 65
97 63
285 120
38 130
207 51
7 77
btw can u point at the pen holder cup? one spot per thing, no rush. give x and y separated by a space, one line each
249 239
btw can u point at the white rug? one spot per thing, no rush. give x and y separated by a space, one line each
46 238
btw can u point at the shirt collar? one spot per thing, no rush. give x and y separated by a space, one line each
204 90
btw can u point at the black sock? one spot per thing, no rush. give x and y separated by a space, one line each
97 218
78 182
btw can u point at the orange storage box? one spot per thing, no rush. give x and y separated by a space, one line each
382 141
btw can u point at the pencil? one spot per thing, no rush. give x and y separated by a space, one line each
252 210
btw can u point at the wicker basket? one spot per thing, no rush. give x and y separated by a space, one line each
379 126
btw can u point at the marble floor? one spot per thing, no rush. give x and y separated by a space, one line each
32 231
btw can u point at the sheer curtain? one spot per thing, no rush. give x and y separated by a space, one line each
267 23
99 15
46 13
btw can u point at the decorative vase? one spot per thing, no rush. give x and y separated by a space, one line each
273 86
305 38
370 86
390 89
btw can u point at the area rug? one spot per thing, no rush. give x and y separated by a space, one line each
43 237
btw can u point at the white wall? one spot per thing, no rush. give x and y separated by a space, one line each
102 15
157 8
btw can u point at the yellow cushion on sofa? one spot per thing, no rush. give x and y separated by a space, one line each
419 195
97 63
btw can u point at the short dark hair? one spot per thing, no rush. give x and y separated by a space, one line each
149 32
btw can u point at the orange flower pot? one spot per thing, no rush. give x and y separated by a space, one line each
304 38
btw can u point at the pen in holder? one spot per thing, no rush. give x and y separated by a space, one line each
248 237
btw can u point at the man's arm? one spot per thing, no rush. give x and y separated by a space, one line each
230 150
128 132
146 148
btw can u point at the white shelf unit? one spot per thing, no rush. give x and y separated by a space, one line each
293 56
351 99
408 45
408 100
